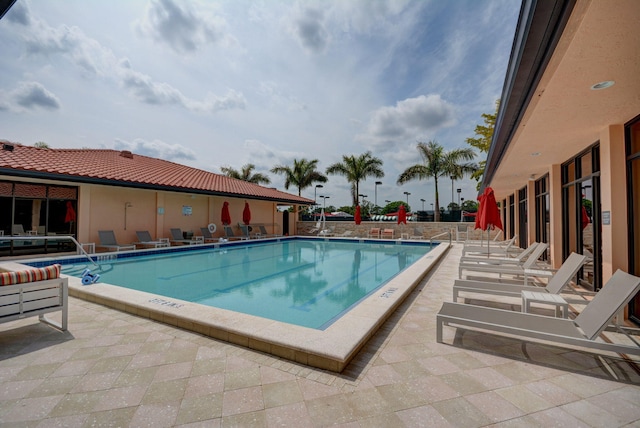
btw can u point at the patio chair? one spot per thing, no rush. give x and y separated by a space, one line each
245 229
500 249
506 265
517 259
417 234
555 285
264 234
206 235
145 240
374 232
387 234
228 234
346 234
178 238
315 229
108 240
326 232
17 230
583 331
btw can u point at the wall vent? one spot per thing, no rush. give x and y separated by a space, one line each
126 154
7 147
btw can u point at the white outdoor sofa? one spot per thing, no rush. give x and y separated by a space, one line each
33 291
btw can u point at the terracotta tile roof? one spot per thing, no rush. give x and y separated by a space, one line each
122 168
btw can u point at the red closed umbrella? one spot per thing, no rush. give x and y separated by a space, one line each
479 213
402 215
246 214
225 218
489 213
585 218
488 217
70 214
357 216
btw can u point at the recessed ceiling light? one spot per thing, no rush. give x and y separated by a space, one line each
603 85
535 154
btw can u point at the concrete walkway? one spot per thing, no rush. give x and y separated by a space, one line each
115 369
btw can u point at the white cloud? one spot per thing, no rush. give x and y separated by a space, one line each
156 149
409 119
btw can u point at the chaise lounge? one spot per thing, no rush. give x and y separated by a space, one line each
33 292
555 285
177 238
583 331
145 240
108 241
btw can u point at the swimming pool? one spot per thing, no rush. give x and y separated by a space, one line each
309 283
329 349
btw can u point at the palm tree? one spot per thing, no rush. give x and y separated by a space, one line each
245 174
357 169
303 174
438 163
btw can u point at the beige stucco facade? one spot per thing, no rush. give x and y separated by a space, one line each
127 210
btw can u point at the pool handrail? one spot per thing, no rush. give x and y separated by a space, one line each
50 237
439 235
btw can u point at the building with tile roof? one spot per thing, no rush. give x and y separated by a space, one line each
123 192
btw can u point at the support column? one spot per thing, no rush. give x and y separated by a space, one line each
614 201
555 214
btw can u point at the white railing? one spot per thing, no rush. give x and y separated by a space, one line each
79 247
440 235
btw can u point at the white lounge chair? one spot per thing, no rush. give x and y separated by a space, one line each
108 240
513 258
505 266
326 232
315 229
502 249
582 331
555 285
145 240
264 234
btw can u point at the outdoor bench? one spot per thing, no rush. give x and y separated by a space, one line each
30 292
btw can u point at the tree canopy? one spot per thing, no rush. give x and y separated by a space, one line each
357 169
482 141
437 163
302 174
246 174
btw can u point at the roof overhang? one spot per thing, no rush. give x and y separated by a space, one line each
106 182
548 111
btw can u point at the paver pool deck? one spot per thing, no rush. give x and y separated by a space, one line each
116 369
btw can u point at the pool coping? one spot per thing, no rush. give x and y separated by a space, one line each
330 349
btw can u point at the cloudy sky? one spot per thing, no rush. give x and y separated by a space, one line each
226 83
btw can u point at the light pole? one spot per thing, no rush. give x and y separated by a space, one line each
324 201
315 192
452 177
459 191
423 200
407 193
363 196
375 201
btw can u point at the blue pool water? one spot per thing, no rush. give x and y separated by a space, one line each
305 282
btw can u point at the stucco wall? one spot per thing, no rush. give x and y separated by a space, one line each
426 229
104 208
